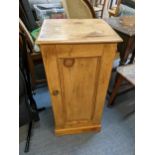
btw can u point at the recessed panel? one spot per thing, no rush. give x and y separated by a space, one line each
78 80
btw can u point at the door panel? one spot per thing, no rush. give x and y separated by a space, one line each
78 80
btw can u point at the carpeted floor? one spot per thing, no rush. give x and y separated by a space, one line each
116 137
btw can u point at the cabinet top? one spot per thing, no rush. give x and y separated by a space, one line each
72 31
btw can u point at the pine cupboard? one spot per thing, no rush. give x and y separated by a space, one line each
78 55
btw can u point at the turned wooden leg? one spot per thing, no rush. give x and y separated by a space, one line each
116 87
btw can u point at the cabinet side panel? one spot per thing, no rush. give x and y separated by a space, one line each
52 75
109 51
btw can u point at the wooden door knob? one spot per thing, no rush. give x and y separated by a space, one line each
69 62
55 92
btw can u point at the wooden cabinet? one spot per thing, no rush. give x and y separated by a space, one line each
78 64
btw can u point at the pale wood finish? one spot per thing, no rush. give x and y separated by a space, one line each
78 76
94 128
78 9
64 31
81 87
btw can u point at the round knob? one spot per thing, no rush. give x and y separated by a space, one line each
69 62
55 92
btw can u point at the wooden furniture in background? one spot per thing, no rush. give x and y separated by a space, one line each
78 9
113 10
98 6
127 73
34 55
125 27
78 60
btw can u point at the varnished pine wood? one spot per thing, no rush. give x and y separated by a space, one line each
94 128
82 87
78 76
74 31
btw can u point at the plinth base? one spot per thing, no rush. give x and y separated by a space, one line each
77 130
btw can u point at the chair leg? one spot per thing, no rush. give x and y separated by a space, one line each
117 84
132 58
105 1
128 50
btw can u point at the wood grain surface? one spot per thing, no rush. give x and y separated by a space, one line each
78 89
64 31
78 57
